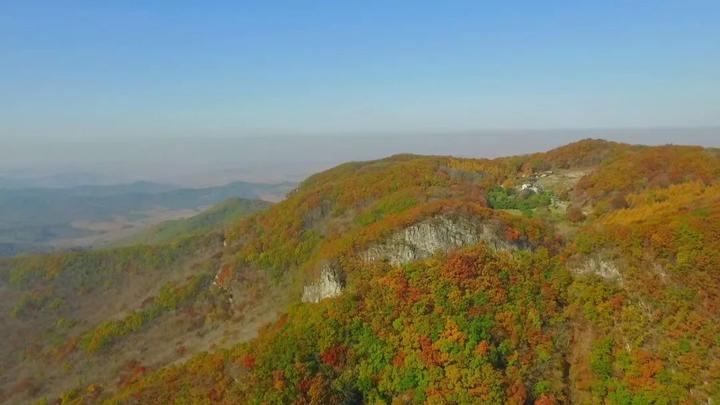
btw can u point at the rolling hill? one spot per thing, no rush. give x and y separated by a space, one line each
213 219
44 219
586 274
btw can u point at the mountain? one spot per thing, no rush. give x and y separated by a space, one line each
41 219
215 218
585 274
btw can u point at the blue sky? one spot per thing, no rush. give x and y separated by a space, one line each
123 68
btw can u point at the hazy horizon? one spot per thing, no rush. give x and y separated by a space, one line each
215 160
200 94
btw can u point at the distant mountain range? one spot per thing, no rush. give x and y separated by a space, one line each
34 219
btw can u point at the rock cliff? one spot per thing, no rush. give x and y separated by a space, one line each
437 234
330 284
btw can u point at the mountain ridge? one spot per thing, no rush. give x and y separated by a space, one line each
612 296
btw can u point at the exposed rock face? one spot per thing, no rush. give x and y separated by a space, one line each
330 284
417 241
433 235
604 268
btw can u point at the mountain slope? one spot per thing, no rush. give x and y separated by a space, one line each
44 219
216 217
416 289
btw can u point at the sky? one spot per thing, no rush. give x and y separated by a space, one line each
109 69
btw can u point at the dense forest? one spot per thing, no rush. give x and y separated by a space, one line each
587 274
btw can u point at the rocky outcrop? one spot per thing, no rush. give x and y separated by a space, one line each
437 234
418 241
597 265
330 284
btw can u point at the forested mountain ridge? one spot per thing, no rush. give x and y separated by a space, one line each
586 274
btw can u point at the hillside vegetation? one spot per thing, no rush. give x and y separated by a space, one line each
215 218
587 274
45 219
